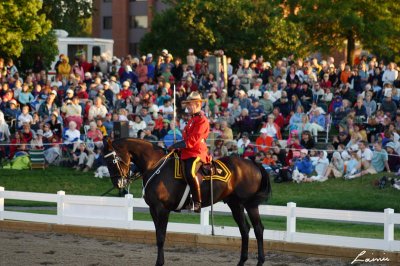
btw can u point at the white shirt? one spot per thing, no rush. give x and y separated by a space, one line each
390 76
274 96
24 118
271 130
365 155
254 93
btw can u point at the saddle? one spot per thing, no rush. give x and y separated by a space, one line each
216 169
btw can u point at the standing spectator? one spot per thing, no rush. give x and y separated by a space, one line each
73 111
390 74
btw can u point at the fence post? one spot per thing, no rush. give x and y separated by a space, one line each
290 221
129 209
60 206
1 203
388 234
205 220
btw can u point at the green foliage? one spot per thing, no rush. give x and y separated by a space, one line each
45 47
20 21
69 15
375 24
238 27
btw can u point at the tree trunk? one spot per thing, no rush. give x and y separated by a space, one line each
351 46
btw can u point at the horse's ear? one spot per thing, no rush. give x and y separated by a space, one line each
109 143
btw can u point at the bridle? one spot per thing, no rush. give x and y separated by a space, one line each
125 179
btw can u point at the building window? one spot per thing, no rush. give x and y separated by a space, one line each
107 23
134 48
138 22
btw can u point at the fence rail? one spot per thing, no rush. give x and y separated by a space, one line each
118 213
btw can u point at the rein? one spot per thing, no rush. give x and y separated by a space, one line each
157 171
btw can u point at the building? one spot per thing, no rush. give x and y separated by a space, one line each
124 21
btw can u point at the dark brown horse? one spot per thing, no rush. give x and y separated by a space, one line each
247 188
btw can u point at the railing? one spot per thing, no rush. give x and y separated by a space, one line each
118 213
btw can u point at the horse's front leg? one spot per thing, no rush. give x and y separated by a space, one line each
160 218
244 228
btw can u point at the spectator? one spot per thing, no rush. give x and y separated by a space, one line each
393 157
83 158
97 110
24 117
264 142
95 135
72 136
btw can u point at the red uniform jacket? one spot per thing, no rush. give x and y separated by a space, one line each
194 135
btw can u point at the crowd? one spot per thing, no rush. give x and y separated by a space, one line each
260 102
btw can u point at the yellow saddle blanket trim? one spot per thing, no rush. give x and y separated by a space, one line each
223 173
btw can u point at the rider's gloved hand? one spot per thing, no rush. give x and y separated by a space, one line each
178 145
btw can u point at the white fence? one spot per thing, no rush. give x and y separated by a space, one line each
118 213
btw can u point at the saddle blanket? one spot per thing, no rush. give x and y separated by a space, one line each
222 173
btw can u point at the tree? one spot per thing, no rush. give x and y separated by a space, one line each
45 47
238 27
20 21
331 23
69 15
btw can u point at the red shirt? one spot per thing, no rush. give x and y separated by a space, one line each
194 135
125 93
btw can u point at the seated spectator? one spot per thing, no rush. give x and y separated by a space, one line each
377 164
97 110
307 140
317 122
169 137
370 104
48 106
5 137
12 110
24 117
320 164
304 164
273 130
219 150
25 97
227 133
55 125
266 103
243 142
361 111
26 133
37 141
393 157
94 134
296 119
17 145
83 157
135 126
73 111
72 136
264 142
389 107
336 166
244 122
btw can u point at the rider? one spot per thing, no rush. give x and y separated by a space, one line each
193 147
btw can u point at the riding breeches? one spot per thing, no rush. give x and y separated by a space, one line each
191 166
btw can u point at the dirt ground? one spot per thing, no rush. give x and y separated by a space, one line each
17 248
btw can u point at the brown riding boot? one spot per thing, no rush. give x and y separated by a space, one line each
196 194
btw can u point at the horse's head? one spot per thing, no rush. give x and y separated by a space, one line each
118 163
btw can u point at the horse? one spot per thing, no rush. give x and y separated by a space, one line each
249 185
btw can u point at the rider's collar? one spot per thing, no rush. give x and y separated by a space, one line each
197 114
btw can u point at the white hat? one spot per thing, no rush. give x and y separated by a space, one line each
39 132
268 64
54 92
149 55
164 51
70 91
13 102
391 145
305 151
106 83
88 75
126 84
191 51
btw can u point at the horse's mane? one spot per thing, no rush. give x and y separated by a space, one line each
154 145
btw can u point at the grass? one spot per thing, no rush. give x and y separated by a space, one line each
359 194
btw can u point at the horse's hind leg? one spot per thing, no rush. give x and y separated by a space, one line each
160 219
244 228
254 215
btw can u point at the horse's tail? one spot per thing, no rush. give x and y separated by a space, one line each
264 191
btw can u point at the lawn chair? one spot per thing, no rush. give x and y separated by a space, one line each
37 159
